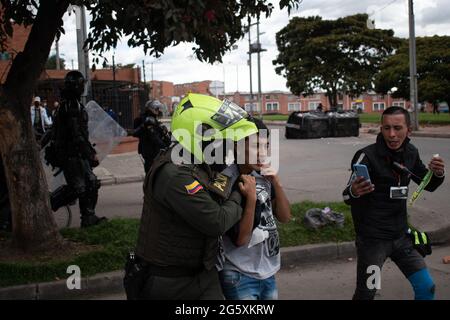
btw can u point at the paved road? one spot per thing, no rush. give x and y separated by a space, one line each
314 170
335 280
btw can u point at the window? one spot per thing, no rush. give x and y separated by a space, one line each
312 105
357 105
294 106
378 106
5 56
398 104
251 106
272 106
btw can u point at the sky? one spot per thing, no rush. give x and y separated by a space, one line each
432 17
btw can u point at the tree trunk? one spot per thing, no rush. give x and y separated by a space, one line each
34 228
332 98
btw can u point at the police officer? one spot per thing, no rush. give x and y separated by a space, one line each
187 207
74 153
379 206
153 135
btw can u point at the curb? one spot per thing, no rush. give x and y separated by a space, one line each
111 180
311 253
112 282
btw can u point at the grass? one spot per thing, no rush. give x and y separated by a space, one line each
295 233
424 118
275 117
110 242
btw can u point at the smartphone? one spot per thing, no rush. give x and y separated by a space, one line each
361 171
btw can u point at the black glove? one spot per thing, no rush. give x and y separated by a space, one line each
421 242
150 121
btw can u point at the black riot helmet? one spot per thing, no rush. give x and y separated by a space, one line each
74 83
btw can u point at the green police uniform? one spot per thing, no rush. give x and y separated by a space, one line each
186 209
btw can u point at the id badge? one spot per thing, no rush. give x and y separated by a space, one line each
399 193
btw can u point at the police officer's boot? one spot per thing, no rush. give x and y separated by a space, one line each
88 216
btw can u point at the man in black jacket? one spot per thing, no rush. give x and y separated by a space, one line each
379 206
153 135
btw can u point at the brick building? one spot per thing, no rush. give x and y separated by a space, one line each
13 46
280 102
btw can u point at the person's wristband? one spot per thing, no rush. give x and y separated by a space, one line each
351 194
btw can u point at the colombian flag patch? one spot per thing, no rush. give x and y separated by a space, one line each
194 187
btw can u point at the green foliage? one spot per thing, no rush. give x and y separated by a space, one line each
51 63
338 56
212 25
433 69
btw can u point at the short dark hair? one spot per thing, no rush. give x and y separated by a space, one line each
260 125
397 110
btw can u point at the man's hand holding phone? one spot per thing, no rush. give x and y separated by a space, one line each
362 184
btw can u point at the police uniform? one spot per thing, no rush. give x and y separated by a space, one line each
186 209
75 156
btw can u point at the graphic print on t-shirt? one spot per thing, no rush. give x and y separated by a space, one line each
267 222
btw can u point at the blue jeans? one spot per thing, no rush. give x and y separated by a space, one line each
237 286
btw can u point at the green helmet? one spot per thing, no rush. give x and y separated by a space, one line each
199 118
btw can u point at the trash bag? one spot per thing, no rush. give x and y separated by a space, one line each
316 218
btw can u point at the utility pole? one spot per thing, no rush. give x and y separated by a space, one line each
413 68
143 70
250 61
83 55
258 44
58 64
114 83
145 80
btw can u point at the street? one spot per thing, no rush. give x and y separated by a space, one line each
335 280
315 170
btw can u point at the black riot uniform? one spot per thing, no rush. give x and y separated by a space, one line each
153 135
73 152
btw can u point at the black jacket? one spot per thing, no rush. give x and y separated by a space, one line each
70 131
376 215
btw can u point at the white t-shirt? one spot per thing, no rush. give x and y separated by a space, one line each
260 258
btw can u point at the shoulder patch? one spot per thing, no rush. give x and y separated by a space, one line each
194 187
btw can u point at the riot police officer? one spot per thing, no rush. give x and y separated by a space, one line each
153 135
73 152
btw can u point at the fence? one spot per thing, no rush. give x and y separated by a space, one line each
124 98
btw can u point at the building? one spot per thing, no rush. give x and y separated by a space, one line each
280 102
13 46
202 87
